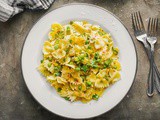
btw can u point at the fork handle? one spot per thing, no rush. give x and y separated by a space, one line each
155 69
150 79
156 77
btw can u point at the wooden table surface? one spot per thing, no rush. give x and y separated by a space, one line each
16 103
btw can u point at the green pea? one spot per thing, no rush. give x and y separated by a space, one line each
96 56
71 63
108 62
66 98
68 28
89 47
84 68
42 61
98 60
55 68
95 96
95 66
49 64
56 47
70 41
80 58
50 59
87 42
76 59
77 68
67 50
57 42
89 83
59 89
57 74
80 87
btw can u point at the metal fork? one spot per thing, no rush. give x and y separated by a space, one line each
152 39
141 35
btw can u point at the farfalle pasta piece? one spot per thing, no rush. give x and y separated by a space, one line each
78 26
57 27
102 73
115 77
79 87
99 43
116 65
61 80
59 54
67 60
51 79
91 78
95 27
79 41
66 69
43 70
75 80
47 48
101 83
88 93
48 65
51 35
70 65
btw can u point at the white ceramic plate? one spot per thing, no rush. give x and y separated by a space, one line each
32 54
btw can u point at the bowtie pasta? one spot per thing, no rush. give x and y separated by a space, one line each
80 61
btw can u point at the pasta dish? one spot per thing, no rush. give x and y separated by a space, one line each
80 61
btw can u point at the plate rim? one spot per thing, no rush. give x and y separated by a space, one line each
69 4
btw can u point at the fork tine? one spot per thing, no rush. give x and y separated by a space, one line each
138 21
133 23
156 27
142 25
135 20
152 26
148 29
